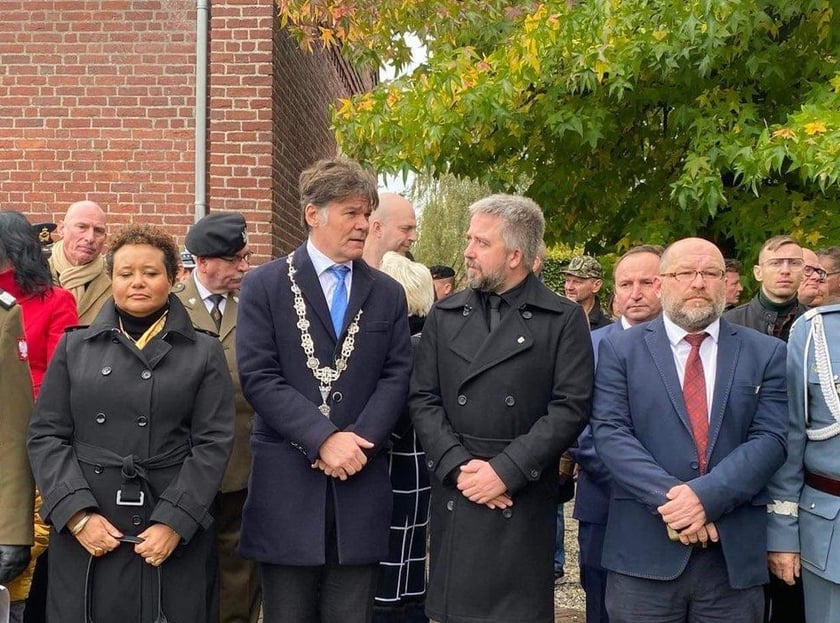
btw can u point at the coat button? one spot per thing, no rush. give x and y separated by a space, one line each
106 370
337 397
535 473
142 420
136 520
100 418
98 469
462 400
507 513
145 375
694 465
450 505
510 401
527 315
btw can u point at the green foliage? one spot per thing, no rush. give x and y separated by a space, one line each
632 121
444 219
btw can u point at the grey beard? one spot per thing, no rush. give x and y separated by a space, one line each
486 283
694 320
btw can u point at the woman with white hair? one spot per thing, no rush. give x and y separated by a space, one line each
402 585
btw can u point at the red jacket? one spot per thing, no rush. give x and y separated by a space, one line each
44 320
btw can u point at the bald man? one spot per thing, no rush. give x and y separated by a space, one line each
690 417
77 263
393 227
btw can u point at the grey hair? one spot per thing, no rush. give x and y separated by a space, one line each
524 223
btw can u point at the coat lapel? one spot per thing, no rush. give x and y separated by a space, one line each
657 342
359 291
472 330
729 348
511 338
310 288
196 308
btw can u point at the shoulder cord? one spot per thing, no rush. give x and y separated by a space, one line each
826 376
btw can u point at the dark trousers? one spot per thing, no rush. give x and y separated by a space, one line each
593 577
785 603
239 579
331 593
410 612
701 594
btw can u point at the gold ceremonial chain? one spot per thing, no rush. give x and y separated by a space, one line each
324 375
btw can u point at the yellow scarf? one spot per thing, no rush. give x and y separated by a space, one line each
151 332
70 277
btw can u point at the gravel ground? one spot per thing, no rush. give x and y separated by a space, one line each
569 599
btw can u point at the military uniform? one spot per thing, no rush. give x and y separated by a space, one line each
16 486
222 234
804 515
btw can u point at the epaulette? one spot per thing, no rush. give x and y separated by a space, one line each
207 331
178 287
75 328
822 309
7 301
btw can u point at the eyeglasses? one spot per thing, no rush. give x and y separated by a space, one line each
238 259
794 263
687 276
820 272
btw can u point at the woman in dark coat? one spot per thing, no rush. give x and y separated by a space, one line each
128 444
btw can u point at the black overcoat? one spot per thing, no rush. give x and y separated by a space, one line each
518 397
106 408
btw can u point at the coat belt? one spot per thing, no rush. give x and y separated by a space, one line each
822 483
134 470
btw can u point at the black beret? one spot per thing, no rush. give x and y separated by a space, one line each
440 271
43 232
219 234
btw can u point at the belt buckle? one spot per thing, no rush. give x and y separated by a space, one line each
121 502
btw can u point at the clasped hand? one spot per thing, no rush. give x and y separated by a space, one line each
342 455
99 537
684 513
480 483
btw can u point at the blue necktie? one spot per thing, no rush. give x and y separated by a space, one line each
338 307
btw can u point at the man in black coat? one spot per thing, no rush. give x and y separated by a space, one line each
501 387
324 357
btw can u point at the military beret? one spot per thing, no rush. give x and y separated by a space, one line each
585 267
219 234
187 259
439 271
43 232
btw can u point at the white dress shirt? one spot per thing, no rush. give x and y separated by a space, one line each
708 353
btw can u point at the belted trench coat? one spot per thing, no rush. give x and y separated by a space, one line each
108 410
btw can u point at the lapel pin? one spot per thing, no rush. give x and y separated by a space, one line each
467 310
191 301
520 339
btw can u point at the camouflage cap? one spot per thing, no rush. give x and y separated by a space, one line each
585 267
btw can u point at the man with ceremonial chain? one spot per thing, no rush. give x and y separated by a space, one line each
324 358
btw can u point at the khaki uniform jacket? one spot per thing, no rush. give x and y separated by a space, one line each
239 467
16 487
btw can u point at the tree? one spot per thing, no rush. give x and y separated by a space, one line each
639 120
444 219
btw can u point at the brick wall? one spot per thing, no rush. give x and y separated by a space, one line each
97 101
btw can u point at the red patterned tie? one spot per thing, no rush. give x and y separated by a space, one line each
694 393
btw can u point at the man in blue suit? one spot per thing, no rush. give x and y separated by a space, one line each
325 357
690 418
636 287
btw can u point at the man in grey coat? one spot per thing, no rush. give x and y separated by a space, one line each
501 387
